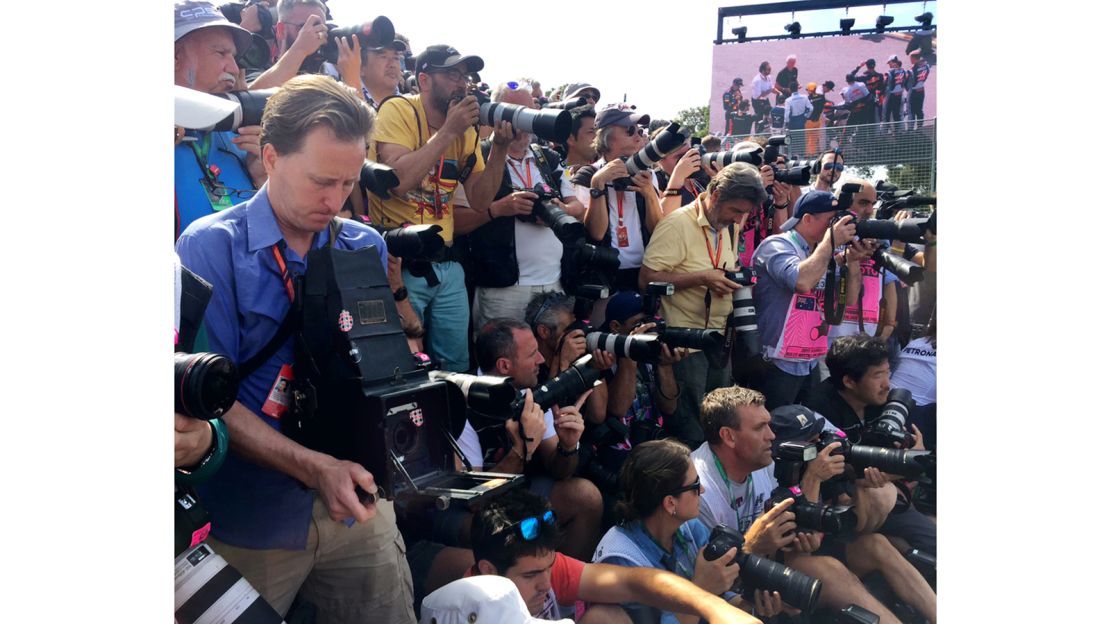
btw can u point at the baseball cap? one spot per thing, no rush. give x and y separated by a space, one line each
893 59
443 57
794 423
811 86
482 599
620 115
396 44
574 90
870 63
623 306
813 202
190 15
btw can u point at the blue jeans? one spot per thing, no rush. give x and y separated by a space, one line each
445 312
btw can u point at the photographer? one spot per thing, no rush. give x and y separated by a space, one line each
300 31
857 387
831 167
212 170
660 528
516 255
507 347
281 511
380 71
681 176
872 496
791 269
734 466
579 146
431 142
703 295
622 219
517 537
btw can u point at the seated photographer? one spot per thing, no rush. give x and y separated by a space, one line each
872 496
790 270
642 396
515 255
213 171
621 215
579 146
282 513
561 341
660 528
300 31
544 448
517 536
856 390
703 294
432 145
735 469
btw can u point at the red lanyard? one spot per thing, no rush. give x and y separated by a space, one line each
527 170
620 208
285 275
437 206
716 260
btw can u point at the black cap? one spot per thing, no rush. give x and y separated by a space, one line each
443 57
795 423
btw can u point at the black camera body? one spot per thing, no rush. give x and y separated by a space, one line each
376 33
835 520
799 590
889 429
907 463
565 227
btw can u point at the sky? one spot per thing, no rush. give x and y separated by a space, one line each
660 59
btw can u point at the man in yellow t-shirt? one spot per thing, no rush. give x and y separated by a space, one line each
692 248
431 141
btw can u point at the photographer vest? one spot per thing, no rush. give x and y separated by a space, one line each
492 260
804 335
872 285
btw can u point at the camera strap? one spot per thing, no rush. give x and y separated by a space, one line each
834 296
290 320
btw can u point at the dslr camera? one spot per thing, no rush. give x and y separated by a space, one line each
799 590
790 461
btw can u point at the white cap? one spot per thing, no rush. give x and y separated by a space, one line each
482 599
197 110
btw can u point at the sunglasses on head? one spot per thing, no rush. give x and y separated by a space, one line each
529 528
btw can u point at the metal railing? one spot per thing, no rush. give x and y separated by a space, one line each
893 151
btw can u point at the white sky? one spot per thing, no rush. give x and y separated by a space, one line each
659 54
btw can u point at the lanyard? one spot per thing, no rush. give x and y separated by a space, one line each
437 204
681 542
715 261
620 208
286 276
527 181
200 149
728 485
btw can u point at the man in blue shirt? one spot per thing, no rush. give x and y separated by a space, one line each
281 513
789 292
212 170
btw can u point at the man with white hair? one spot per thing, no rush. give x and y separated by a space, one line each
787 78
212 170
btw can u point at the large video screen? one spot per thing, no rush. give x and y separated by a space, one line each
818 60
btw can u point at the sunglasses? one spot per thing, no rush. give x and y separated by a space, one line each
529 528
634 130
837 166
693 487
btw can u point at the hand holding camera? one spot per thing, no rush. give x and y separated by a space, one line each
312 35
642 183
771 531
719 283
827 464
686 166
461 115
349 61
527 432
569 424
716 576
843 230
611 171
517 203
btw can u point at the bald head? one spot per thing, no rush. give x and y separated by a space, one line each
863 202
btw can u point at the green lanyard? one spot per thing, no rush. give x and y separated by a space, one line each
681 542
728 484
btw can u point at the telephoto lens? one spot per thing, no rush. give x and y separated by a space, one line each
890 427
373 34
640 348
704 339
551 124
377 178
799 590
249 112
487 394
796 176
724 159
205 384
565 227
908 463
590 256
906 270
664 143
567 386
567 104
413 241
908 230
836 520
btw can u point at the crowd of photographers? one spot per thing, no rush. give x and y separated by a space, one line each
429 331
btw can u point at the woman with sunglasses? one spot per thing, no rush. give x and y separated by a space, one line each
661 529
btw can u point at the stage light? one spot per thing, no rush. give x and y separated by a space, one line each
741 33
846 25
795 30
882 22
926 20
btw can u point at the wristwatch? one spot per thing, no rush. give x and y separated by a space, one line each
400 294
595 193
573 451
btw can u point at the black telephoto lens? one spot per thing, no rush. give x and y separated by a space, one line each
704 339
906 270
205 384
596 257
249 112
799 590
640 348
796 176
663 143
908 230
567 104
414 241
483 393
565 227
377 178
373 34
567 386
907 463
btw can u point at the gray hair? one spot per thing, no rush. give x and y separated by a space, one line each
285 6
545 308
737 181
601 139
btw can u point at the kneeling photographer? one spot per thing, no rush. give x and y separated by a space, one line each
281 510
694 248
517 253
857 399
812 468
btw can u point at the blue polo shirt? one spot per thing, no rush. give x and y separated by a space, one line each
189 192
775 263
252 506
